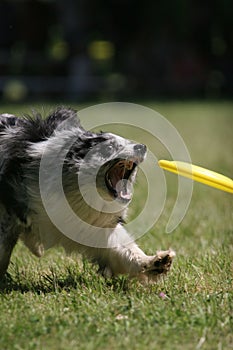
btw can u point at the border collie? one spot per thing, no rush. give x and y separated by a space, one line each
96 171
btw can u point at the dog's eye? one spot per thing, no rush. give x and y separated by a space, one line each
109 148
106 149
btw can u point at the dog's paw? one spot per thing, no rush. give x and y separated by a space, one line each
159 264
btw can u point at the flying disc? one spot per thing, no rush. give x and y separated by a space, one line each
197 173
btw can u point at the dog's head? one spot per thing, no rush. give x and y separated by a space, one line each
108 162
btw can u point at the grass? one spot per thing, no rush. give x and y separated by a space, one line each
55 303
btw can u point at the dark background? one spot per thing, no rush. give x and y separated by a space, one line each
115 49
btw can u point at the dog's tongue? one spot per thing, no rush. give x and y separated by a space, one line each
123 189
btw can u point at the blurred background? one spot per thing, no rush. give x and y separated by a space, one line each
116 49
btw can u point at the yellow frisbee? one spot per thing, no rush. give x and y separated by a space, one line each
199 174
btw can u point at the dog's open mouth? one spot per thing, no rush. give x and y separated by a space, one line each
118 178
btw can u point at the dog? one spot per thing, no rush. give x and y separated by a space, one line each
34 153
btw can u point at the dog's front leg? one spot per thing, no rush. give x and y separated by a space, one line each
127 258
8 239
133 261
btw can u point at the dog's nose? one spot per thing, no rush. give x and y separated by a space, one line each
140 148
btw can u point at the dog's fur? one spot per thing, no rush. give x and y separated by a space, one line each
23 142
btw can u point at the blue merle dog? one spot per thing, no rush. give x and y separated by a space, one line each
112 159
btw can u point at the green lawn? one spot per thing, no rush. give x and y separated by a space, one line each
55 303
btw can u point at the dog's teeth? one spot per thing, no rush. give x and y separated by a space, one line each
110 182
129 165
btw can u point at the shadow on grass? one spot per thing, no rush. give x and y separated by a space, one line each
53 283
